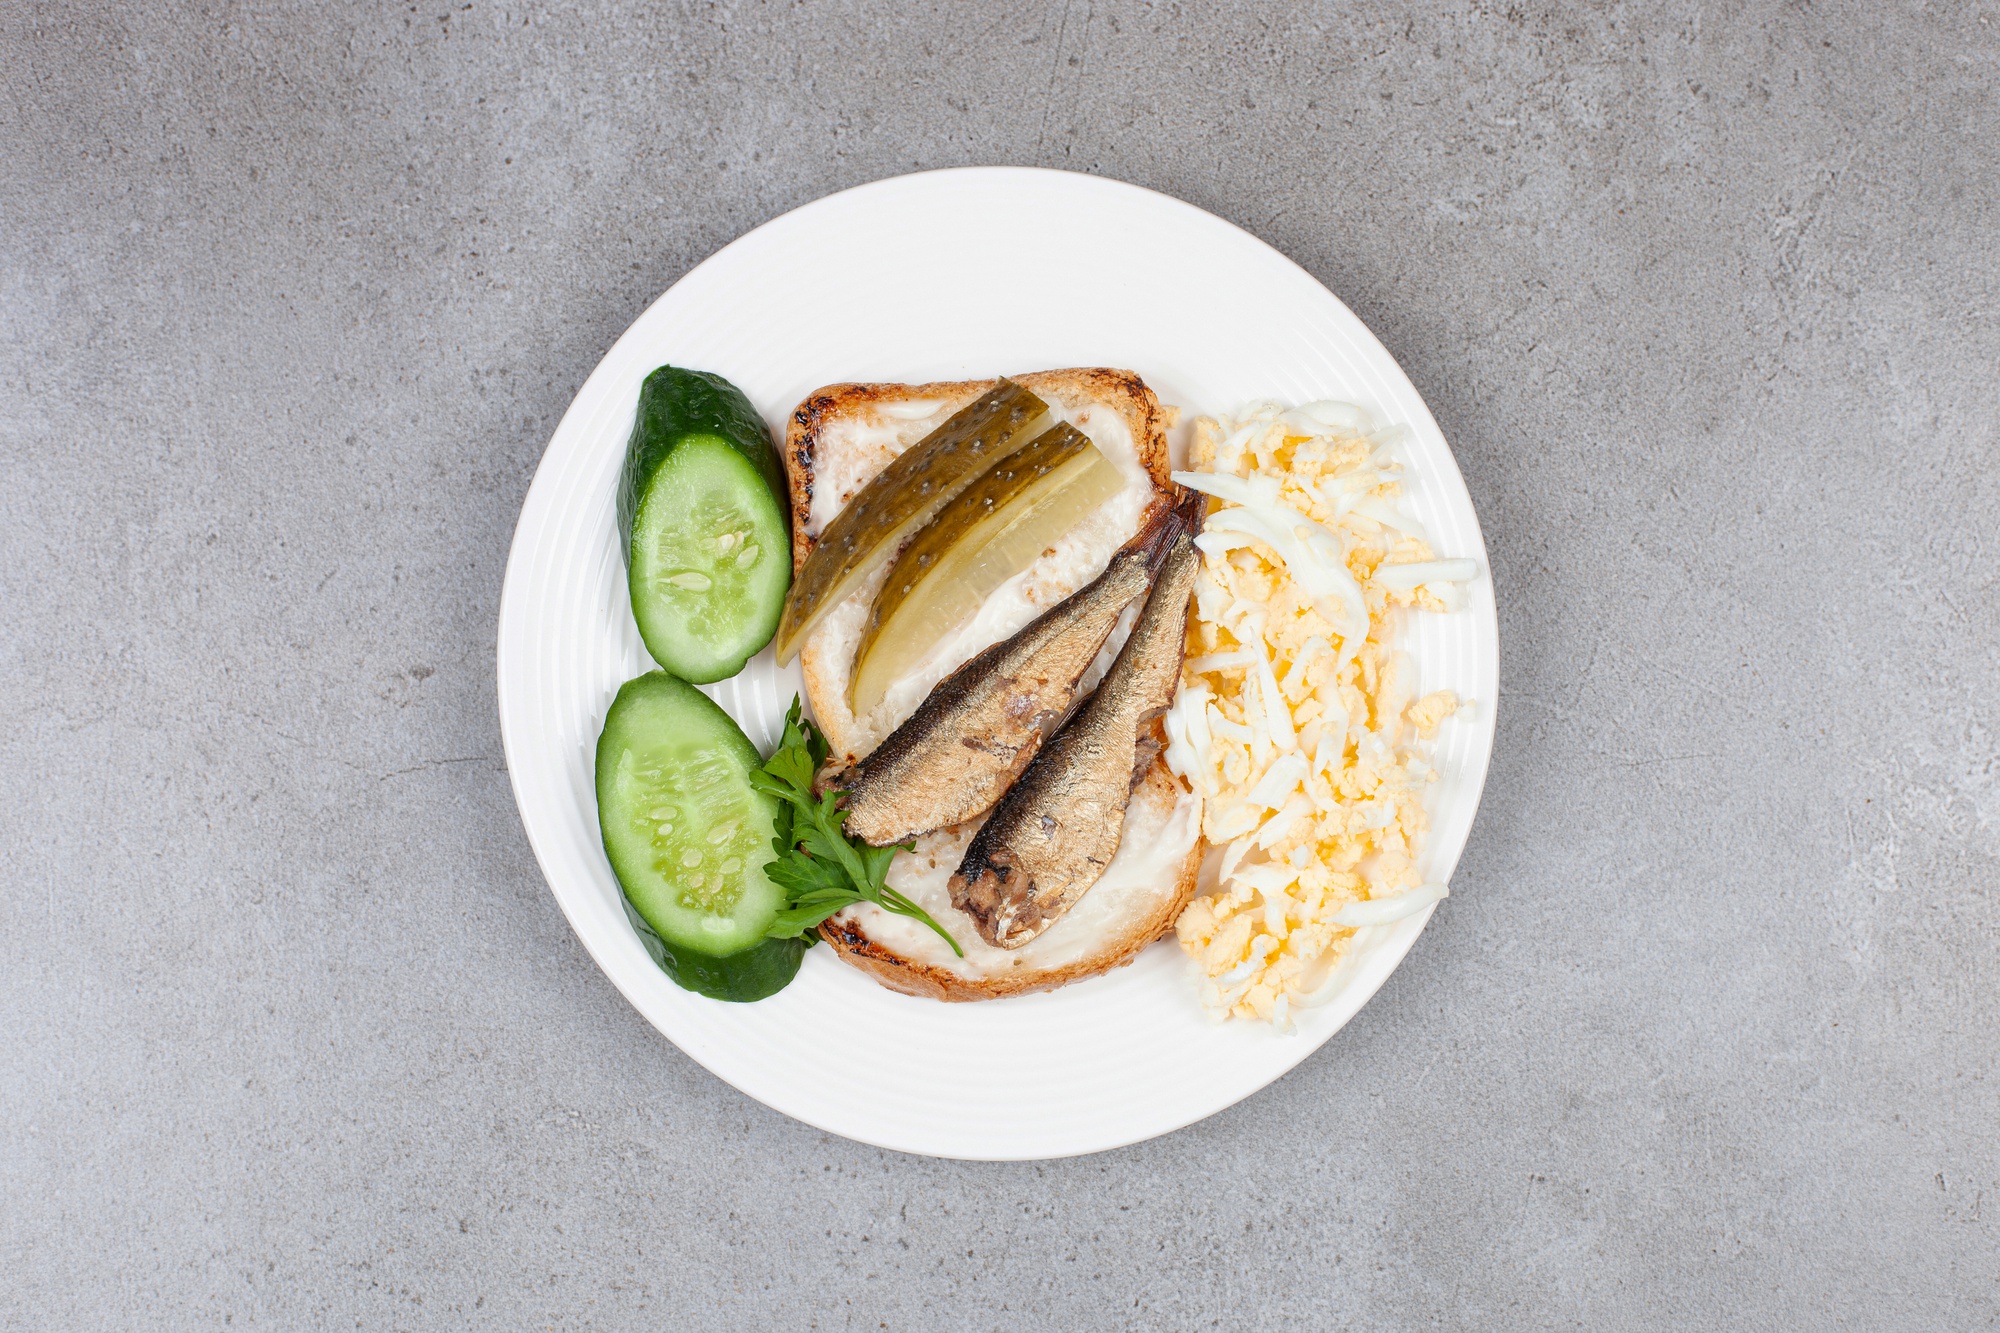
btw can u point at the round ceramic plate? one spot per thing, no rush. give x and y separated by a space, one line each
957 275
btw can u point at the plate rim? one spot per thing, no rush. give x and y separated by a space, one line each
1388 955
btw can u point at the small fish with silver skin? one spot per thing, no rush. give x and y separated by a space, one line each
975 733
1054 834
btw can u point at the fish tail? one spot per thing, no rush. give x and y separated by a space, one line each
1190 508
1180 518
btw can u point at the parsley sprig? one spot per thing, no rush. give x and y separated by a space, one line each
820 868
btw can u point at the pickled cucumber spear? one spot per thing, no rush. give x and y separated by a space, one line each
994 529
903 497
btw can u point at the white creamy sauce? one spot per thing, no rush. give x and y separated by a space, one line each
861 447
1100 666
1145 873
917 409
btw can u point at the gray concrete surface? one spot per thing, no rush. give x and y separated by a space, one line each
292 1035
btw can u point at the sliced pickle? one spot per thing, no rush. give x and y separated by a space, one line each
902 498
998 527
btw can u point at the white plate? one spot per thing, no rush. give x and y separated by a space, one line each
953 275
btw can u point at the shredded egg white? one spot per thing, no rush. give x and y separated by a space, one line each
1296 720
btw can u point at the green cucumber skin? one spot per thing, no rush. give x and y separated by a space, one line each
675 403
755 974
664 704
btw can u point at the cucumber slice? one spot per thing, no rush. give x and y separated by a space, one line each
686 833
675 403
702 509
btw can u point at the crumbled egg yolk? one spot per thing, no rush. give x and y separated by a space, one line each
1296 721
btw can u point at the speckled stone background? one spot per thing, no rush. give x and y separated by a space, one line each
1707 298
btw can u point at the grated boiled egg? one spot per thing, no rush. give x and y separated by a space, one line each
1296 721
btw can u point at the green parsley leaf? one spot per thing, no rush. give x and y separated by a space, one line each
820 868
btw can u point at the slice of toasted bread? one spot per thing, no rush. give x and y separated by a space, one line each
1138 899
835 442
842 435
